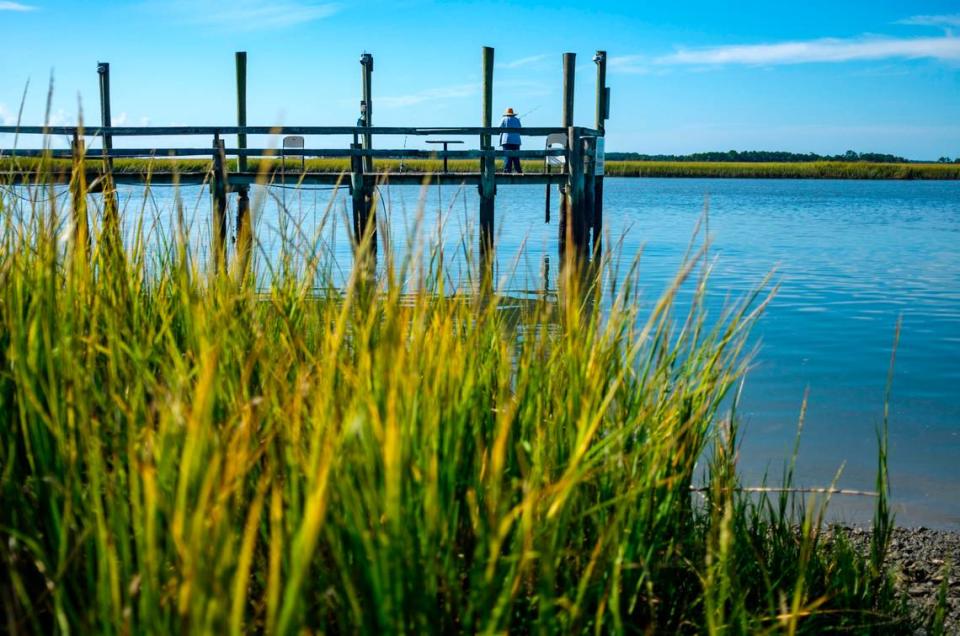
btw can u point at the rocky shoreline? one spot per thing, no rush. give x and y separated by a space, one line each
919 557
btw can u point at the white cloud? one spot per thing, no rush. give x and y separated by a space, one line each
633 64
429 95
120 120
16 6
952 20
7 118
59 117
944 48
524 61
247 15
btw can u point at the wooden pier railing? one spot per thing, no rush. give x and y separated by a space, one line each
580 179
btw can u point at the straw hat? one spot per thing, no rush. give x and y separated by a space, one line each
509 113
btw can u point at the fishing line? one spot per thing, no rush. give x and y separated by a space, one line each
294 187
28 199
530 112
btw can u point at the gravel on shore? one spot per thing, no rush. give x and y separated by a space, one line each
919 557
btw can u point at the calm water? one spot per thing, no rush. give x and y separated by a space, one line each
851 257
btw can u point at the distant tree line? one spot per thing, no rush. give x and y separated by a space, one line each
764 156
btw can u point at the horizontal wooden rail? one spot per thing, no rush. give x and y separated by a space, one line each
408 153
159 131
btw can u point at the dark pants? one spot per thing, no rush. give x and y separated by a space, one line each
512 163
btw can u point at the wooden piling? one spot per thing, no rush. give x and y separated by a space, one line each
575 200
589 188
241 67
488 184
78 199
603 107
366 65
569 78
218 190
111 217
103 71
568 215
358 196
244 225
362 187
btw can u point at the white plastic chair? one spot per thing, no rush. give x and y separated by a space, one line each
556 139
294 142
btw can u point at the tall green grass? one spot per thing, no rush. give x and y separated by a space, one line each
184 452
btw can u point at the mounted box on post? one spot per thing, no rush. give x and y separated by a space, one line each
367 60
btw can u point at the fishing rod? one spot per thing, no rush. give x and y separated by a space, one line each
530 112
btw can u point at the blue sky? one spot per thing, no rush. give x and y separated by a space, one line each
697 75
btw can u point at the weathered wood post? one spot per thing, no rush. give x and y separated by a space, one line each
362 185
358 195
103 71
603 113
488 184
575 198
78 198
567 213
111 216
218 190
366 106
244 225
589 188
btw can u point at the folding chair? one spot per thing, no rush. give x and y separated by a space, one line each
293 142
556 139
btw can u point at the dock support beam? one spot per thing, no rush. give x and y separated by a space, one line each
572 209
78 199
358 196
244 225
488 182
575 199
365 213
103 71
218 190
603 113
111 216
366 106
589 189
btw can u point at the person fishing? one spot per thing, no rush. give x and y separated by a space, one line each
510 141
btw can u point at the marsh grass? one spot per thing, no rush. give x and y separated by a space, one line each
784 170
183 451
690 169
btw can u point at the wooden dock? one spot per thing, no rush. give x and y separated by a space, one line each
579 175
